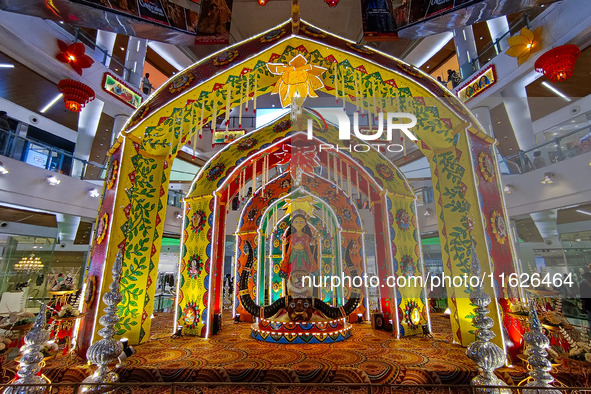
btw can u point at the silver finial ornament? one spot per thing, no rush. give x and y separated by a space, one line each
540 365
31 357
107 350
487 355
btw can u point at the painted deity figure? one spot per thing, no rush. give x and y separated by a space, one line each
299 257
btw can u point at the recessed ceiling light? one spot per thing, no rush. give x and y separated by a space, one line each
481 37
122 48
4 170
53 181
428 66
93 193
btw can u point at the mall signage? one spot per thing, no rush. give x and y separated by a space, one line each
476 85
225 137
120 90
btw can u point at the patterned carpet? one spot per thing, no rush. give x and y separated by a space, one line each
369 356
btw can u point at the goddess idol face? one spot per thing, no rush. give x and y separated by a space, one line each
298 223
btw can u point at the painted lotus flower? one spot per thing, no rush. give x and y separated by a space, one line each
74 56
297 79
524 44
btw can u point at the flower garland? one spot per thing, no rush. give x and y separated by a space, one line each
498 227
101 231
485 165
112 176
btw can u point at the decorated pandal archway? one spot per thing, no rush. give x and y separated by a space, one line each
308 208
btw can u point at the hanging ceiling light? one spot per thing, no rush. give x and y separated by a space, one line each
76 94
31 263
558 63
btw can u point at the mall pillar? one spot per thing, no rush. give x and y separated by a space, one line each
134 60
105 41
465 50
118 124
88 121
517 107
497 28
483 116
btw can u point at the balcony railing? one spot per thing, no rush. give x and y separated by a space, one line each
48 157
561 148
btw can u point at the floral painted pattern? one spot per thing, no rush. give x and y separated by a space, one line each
195 266
246 144
385 172
499 227
282 126
486 167
215 172
112 174
180 83
101 229
273 35
225 57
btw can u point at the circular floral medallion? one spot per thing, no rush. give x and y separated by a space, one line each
407 265
225 57
112 174
312 31
191 315
486 167
198 221
499 228
251 215
101 228
276 287
359 48
283 225
347 213
402 219
327 243
180 83
385 172
273 35
412 315
246 143
215 172
276 268
195 266
276 243
282 126
139 115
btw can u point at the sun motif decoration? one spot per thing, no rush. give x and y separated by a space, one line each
485 165
195 266
402 219
412 315
101 229
524 44
498 226
74 56
191 315
112 175
298 79
198 221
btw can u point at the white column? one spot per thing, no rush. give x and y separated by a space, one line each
117 126
517 107
88 121
134 59
106 41
465 49
497 27
483 116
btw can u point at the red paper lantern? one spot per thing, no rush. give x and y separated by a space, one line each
76 94
262 2
558 64
332 3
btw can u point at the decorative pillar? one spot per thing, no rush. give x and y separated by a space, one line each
108 349
517 107
88 122
31 357
118 124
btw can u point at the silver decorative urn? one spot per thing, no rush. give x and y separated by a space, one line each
540 366
487 355
31 357
108 349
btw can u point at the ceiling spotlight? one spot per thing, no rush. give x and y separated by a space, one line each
3 170
93 193
178 215
548 178
508 189
53 181
427 212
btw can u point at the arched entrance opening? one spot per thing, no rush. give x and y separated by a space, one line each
470 206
